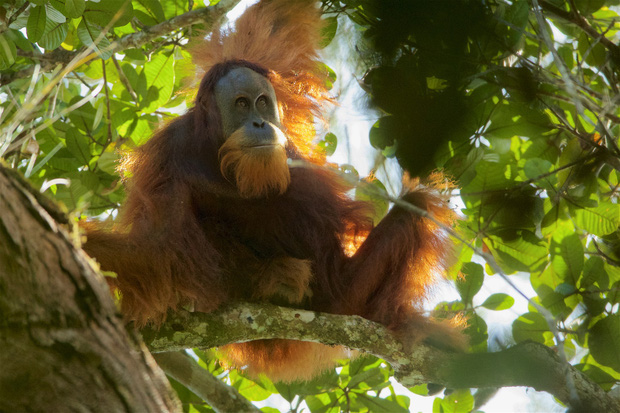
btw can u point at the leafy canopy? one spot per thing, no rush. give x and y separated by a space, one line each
516 100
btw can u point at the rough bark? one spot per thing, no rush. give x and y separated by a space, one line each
64 347
525 364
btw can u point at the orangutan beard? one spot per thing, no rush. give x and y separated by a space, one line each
256 170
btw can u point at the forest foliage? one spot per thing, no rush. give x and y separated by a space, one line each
515 100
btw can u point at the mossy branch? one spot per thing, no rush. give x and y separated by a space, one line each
526 364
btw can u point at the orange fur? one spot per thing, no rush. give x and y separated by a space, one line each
209 220
283 37
416 273
285 278
284 360
280 35
256 172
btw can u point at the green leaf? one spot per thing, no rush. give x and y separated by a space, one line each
594 273
498 301
478 333
84 116
460 401
19 40
149 12
160 80
8 51
604 341
471 282
123 118
530 326
367 378
614 294
89 180
75 8
516 119
556 218
55 34
565 289
58 6
250 389
325 382
567 257
107 162
141 130
545 284
603 379
54 14
537 169
325 402
489 176
372 192
330 76
328 32
553 300
566 54
434 83
78 191
383 132
525 253
36 23
117 12
592 51
587 7
595 305
614 273
571 153
136 80
350 173
543 149
600 220
69 8
78 146
516 16
329 144
90 35
378 404
135 56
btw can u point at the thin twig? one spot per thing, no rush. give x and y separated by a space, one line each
107 102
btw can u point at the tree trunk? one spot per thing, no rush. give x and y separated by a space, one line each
63 345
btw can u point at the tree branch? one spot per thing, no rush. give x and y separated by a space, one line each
64 348
577 19
221 397
207 16
526 364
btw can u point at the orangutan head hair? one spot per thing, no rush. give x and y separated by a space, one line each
296 74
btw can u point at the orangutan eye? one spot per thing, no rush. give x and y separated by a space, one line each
261 101
242 102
